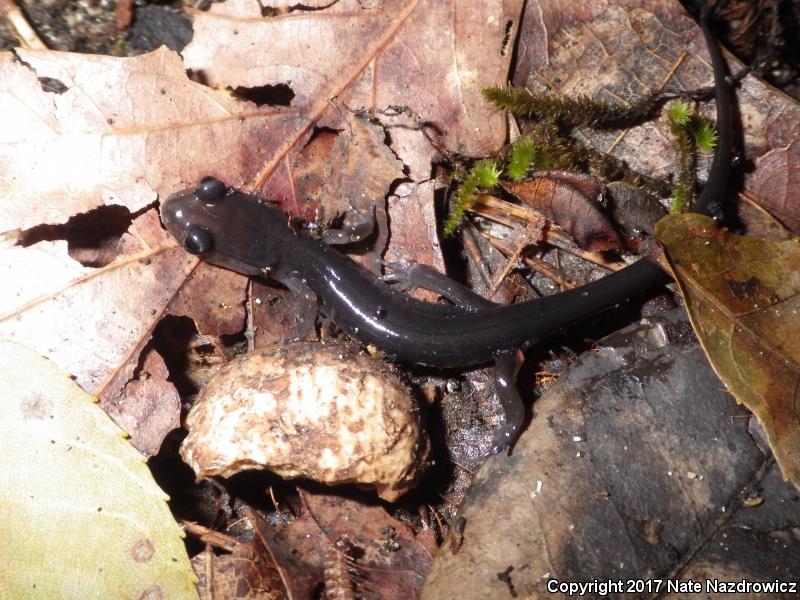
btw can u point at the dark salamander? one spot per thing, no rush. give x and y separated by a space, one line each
241 232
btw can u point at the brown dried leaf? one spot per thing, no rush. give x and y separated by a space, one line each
297 558
279 315
757 221
244 574
148 407
776 181
215 298
391 560
743 296
433 58
353 169
556 196
90 321
64 154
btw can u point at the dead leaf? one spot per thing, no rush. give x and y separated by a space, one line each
633 208
225 313
391 560
433 58
280 315
350 169
743 296
66 153
635 465
757 221
776 182
90 321
148 407
244 574
299 567
392 552
574 209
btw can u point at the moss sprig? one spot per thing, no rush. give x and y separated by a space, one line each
572 111
483 174
690 132
705 134
520 158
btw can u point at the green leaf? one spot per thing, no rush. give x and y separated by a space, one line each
80 513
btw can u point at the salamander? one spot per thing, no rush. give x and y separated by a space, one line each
246 234
243 233
711 197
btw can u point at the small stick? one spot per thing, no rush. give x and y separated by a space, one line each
511 263
209 536
25 33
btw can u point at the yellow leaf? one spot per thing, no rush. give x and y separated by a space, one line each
80 514
743 298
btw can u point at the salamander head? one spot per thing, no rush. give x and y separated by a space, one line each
226 227
193 216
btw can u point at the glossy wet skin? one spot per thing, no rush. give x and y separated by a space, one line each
240 232
225 227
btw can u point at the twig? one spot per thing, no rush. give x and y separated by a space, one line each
538 265
552 233
511 263
25 33
209 536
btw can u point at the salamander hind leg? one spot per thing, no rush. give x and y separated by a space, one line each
408 275
506 367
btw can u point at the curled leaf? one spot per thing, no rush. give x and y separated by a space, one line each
567 201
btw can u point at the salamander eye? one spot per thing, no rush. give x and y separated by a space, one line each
198 240
211 190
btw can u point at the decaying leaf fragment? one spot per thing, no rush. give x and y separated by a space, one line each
327 413
568 200
80 514
743 297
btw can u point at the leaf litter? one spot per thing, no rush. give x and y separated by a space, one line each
100 148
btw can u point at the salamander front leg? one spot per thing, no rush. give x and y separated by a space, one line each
506 367
304 325
356 226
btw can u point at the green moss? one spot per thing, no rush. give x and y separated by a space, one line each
483 174
680 117
705 135
486 173
571 111
680 113
521 158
